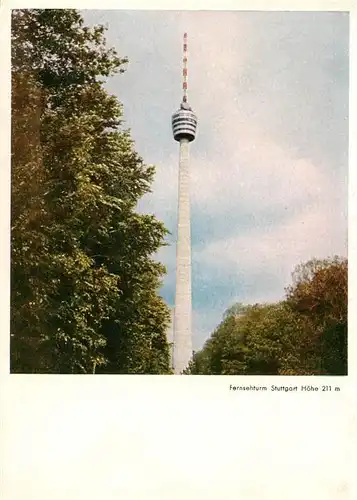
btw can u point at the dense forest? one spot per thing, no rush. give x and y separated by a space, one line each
84 283
305 334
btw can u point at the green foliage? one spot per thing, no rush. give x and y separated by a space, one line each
84 284
306 334
319 295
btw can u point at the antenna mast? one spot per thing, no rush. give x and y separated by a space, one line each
184 71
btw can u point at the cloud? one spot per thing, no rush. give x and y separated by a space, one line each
258 174
277 250
269 164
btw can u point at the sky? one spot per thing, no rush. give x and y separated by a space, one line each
269 165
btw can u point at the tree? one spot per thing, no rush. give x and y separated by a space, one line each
319 294
305 334
84 284
260 340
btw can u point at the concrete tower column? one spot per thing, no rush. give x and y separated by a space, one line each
184 124
183 306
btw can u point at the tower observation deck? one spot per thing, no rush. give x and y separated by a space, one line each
184 125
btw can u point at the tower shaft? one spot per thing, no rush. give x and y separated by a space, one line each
183 306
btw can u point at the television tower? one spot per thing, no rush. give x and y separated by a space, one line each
184 124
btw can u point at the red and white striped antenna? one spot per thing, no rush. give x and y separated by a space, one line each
184 71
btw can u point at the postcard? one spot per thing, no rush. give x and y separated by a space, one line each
180 192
